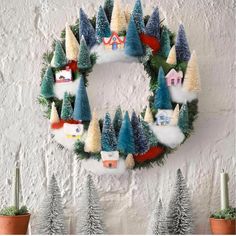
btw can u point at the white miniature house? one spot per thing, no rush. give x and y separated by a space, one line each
64 76
163 117
110 159
73 130
174 78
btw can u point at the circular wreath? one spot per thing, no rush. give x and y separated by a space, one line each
131 140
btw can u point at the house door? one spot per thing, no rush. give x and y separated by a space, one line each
114 46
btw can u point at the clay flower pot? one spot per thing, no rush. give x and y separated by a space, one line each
222 226
14 224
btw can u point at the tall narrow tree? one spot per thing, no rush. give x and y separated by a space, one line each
109 141
171 59
153 24
179 215
165 43
126 136
47 84
108 7
137 14
51 216
175 116
90 220
59 56
82 108
133 45
117 121
102 25
181 46
183 121
162 95
148 117
152 139
86 29
67 109
54 117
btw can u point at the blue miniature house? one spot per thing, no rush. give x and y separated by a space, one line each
163 117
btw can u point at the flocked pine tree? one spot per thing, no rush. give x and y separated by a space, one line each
117 121
86 29
148 117
181 46
109 141
59 56
108 7
175 116
137 14
140 139
153 24
47 84
165 43
82 108
102 25
93 138
162 95
133 45
171 59
126 136
84 62
90 220
179 215
54 117
183 121
152 140
51 218
66 109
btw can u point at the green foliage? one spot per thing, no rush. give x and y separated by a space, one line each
13 211
227 214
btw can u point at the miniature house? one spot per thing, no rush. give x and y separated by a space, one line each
110 159
114 42
73 130
174 78
163 117
64 76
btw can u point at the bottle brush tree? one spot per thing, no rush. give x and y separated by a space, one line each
165 43
152 139
59 56
67 109
153 24
137 14
183 121
117 121
108 7
47 84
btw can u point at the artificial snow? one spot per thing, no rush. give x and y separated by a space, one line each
105 55
179 95
61 88
170 136
97 168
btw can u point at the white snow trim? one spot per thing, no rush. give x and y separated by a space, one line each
170 136
61 88
97 168
107 55
179 95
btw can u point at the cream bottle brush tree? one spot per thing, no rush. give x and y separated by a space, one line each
54 117
171 59
148 117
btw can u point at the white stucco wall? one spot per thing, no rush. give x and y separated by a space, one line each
26 31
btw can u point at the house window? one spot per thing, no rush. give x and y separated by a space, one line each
172 82
178 80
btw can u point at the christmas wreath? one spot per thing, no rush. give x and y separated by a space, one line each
127 140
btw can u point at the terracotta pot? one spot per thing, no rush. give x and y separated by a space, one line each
222 226
14 224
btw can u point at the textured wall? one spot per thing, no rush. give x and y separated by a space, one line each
27 28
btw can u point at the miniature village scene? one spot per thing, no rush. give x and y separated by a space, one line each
123 139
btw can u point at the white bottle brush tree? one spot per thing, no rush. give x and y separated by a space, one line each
51 219
90 217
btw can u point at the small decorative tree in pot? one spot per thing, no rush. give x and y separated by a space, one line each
15 219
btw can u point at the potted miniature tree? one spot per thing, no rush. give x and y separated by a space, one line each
15 219
223 221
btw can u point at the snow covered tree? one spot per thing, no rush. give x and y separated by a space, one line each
171 59
158 223
179 215
108 7
140 140
59 56
126 136
165 43
84 62
51 218
153 24
192 77
102 25
72 45
183 121
133 45
67 109
93 138
129 161
86 29
162 95
137 14
148 117
152 140
117 121
118 21
181 46
47 84
54 117
175 116
90 220
82 108
109 141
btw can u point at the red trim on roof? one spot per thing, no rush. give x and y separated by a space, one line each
120 41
